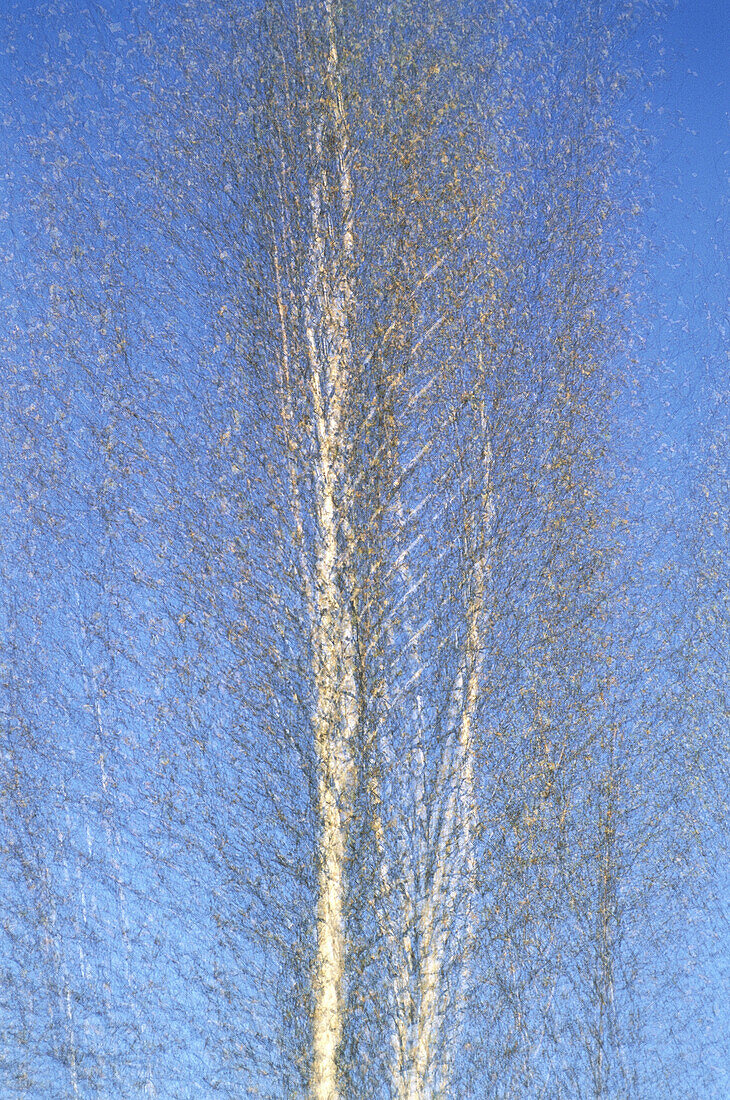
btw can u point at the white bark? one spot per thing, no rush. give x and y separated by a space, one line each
446 863
328 312
112 836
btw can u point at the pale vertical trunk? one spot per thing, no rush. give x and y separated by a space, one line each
443 908
52 941
604 981
63 989
328 313
79 889
112 836
333 730
412 863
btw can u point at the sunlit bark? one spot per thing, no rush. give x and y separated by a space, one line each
328 312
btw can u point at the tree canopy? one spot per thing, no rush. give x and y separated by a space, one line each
363 715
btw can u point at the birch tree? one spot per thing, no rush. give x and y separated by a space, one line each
371 797
392 356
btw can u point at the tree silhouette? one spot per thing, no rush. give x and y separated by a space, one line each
359 740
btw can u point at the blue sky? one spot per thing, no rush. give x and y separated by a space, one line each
680 403
690 162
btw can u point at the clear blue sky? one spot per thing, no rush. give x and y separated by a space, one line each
683 369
